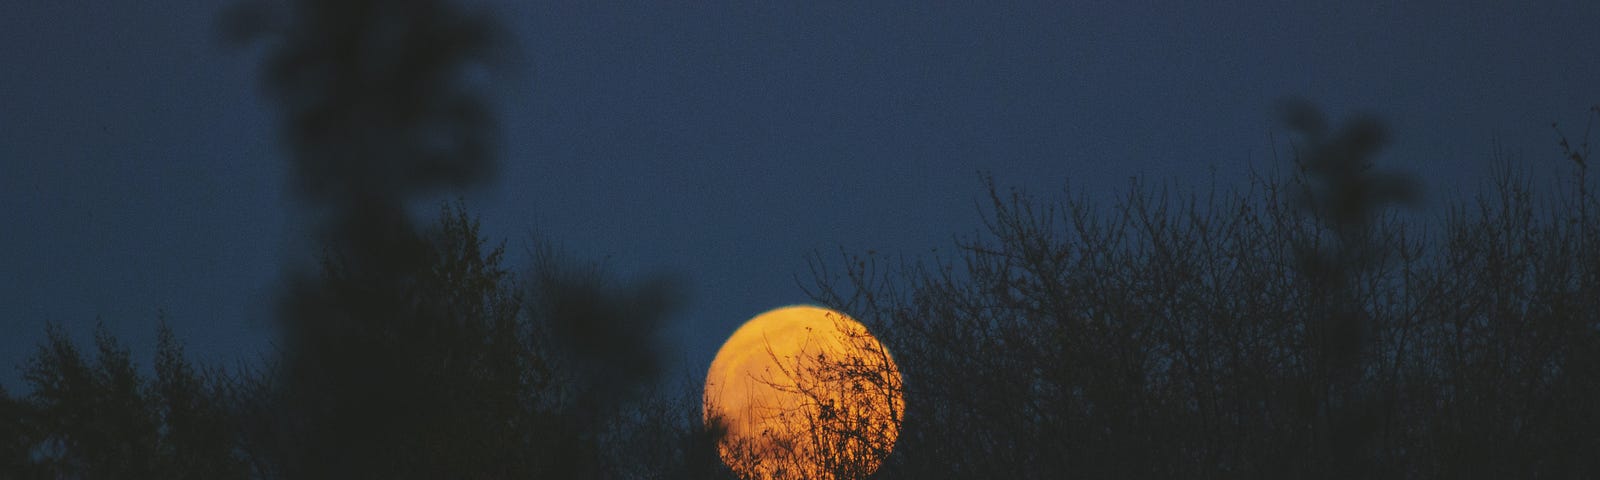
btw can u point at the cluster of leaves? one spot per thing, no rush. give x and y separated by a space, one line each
1299 329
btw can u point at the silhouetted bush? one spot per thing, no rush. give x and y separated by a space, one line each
1292 330
847 410
470 382
1168 335
99 418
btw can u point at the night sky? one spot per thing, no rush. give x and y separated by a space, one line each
721 142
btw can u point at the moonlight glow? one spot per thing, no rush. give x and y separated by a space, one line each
804 392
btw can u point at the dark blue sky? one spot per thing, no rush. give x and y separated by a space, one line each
723 141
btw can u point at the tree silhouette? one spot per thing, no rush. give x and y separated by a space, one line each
1294 330
407 356
849 411
99 418
16 437
436 377
1342 194
415 353
100 422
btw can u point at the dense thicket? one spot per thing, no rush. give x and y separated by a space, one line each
98 417
1260 334
1162 336
475 375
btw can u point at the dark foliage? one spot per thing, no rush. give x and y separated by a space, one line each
1166 337
1296 330
99 418
376 98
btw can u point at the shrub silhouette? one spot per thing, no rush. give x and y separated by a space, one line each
848 411
1168 335
1293 330
479 388
99 418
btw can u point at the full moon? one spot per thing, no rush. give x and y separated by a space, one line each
803 392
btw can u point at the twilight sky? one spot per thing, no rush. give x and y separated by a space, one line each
723 141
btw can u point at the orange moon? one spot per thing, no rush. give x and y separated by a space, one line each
804 392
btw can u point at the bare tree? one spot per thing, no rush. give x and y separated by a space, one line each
1296 329
847 410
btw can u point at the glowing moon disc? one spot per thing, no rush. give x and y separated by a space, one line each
804 392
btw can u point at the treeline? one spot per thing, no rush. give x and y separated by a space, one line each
489 386
1303 328
411 351
1299 329
1242 334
